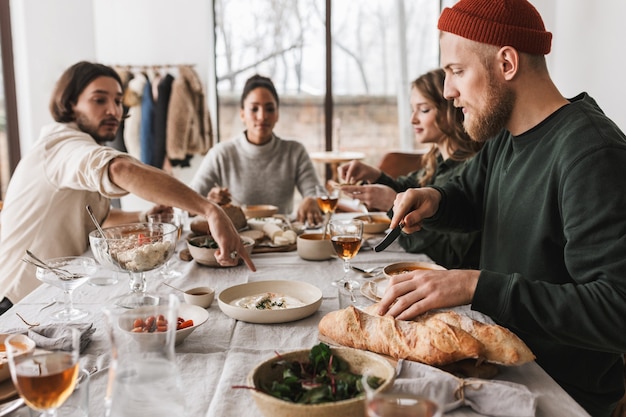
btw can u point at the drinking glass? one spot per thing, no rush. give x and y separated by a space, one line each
175 219
72 272
327 201
346 237
45 378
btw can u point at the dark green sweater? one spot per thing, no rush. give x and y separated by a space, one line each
449 249
552 206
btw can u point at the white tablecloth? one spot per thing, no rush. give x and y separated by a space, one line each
220 353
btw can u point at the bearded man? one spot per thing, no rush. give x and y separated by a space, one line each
69 168
546 190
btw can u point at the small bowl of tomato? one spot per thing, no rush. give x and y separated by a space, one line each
150 328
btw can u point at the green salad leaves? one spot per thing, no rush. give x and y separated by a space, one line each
324 378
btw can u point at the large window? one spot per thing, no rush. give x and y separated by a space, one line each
378 47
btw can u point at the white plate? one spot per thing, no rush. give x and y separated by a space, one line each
309 294
187 311
374 289
257 223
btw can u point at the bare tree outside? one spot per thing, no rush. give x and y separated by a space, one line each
285 40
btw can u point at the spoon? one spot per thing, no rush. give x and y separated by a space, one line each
171 286
59 272
95 222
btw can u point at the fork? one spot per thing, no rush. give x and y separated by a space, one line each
368 272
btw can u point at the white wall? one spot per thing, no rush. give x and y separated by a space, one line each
48 37
588 50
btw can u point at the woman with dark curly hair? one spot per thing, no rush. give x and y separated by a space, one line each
436 121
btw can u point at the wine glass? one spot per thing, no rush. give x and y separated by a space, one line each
176 220
67 273
346 237
135 248
45 378
327 201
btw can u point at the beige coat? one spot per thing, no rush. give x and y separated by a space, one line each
188 123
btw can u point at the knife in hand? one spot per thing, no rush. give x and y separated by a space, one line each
391 236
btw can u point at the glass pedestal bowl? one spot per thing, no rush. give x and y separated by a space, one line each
135 248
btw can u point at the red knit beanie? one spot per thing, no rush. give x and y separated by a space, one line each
513 23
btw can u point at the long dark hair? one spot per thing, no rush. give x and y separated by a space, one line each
449 120
72 83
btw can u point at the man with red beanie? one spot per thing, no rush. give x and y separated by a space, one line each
547 190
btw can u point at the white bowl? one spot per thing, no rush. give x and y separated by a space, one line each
312 247
374 223
257 223
359 360
309 294
187 311
27 345
199 296
206 256
404 267
260 210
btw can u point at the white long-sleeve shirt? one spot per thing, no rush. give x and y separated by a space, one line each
44 209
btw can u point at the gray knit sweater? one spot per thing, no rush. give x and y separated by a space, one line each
266 174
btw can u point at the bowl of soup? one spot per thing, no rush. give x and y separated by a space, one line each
398 268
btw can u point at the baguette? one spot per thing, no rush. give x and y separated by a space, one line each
430 341
502 346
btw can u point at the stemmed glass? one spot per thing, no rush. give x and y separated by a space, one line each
135 248
67 273
176 220
327 201
45 378
346 237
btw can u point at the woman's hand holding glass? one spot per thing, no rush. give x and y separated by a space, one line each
327 200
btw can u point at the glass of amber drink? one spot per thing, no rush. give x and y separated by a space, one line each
346 237
327 200
45 378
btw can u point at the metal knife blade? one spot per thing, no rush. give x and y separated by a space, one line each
391 236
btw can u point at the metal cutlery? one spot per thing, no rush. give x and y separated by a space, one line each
368 272
390 238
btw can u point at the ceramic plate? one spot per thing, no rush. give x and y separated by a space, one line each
309 294
374 288
262 210
374 223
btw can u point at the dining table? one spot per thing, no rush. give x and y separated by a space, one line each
216 358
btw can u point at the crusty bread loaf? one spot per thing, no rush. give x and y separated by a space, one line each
502 346
199 225
434 338
429 341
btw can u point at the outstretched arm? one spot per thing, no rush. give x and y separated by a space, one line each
155 185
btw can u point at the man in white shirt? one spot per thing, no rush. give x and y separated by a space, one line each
69 168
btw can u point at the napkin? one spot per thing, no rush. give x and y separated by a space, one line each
50 336
488 397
